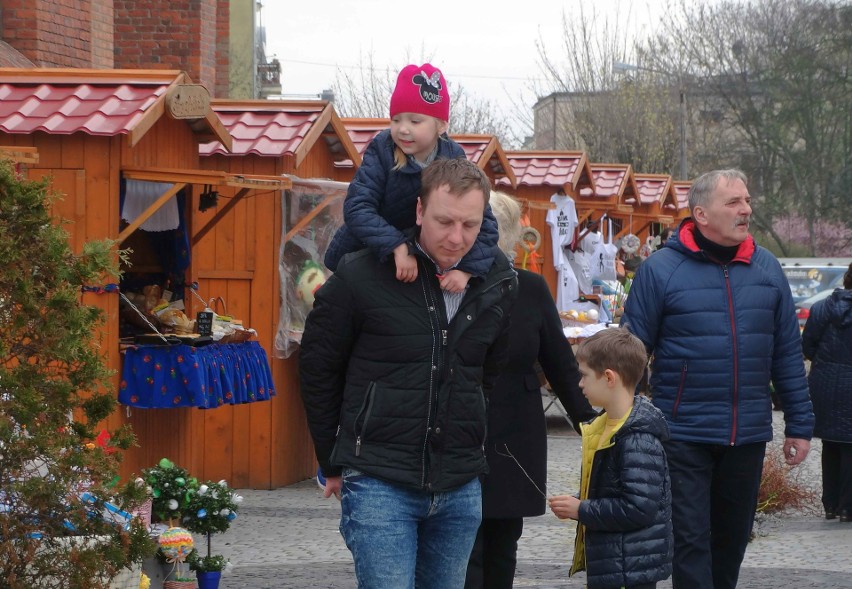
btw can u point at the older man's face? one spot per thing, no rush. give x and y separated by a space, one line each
726 217
449 224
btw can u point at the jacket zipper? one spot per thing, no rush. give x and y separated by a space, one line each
736 359
683 370
368 405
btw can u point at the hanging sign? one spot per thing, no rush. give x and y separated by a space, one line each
188 101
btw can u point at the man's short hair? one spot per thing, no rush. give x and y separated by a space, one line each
615 349
704 186
459 175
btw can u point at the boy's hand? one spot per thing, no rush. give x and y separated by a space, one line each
454 280
406 265
565 506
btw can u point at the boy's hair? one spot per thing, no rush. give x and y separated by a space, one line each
459 175
615 349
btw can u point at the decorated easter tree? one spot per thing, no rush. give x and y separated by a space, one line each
211 510
58 475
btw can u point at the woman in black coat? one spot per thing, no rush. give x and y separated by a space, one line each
827 342
516 421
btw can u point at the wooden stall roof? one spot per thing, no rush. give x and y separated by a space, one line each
681 192
567 169
613 183
63 101
654 188
282 128
486 151
361 131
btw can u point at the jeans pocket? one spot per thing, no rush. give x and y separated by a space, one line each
351 473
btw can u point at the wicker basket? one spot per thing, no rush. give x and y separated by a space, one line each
179 585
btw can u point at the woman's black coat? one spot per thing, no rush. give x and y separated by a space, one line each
515 412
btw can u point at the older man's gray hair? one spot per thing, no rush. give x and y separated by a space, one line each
703 186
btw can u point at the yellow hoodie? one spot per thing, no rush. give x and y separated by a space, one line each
597 435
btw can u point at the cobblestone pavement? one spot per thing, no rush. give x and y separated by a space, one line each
288 538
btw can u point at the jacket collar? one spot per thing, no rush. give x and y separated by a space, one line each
686 238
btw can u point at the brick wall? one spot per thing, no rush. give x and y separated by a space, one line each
51 33
102 34
162 34
223 50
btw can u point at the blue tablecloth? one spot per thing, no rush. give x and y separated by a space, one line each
206 377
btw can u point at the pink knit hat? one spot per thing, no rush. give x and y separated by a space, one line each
421 89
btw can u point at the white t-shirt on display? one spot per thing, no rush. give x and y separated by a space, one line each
567 290
579 262
562 221
590 242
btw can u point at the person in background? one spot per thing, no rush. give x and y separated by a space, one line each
827 343
380 203
516 420
623 512
664 236
395 378
715 311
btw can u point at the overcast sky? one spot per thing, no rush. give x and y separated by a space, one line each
488 47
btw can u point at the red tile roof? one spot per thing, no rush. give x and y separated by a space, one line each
362 131
567 169
276 128
612 181
681 191
653 188
96 102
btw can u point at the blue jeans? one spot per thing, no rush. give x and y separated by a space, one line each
403 538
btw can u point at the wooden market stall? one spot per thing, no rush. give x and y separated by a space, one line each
613 195
96 131
539 174
656 205
238 257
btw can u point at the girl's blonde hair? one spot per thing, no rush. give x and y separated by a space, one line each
507 211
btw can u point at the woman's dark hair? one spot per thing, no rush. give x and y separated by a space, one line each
847 278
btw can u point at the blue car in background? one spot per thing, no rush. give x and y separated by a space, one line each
810 276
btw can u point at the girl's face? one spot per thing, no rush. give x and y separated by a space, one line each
416 134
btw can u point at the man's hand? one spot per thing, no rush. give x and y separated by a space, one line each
454 280
795 450
565 506
406 264
332 487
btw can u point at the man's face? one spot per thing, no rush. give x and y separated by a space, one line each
726 217
449 224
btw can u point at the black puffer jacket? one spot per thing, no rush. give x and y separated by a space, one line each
628 517
393 389
827 342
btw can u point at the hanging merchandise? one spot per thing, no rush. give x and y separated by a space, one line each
602 265
579 262
567 290
530 242
562 221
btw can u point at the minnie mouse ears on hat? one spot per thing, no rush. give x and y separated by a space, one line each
421 89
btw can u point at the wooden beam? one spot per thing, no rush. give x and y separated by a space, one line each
219 214
303 222
19 155
149 211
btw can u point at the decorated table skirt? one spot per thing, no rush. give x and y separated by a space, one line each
205 377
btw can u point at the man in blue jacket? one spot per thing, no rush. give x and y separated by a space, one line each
717 315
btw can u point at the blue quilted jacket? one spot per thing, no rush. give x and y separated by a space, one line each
718 334
827 342
381 203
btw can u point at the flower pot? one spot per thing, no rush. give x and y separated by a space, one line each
209 579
